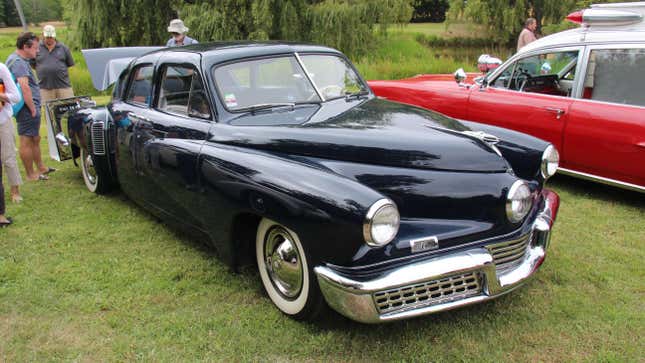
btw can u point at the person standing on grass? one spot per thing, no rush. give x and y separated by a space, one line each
9 95
28 118
527 35
4 220
52 63
179 37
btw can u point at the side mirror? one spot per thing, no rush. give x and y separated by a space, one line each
460 76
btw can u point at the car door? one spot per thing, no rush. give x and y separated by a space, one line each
127 109
531 94
605 135
170 137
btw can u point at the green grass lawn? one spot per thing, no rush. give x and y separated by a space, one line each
95 278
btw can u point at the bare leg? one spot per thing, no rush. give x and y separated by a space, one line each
15 194
26 155
37 155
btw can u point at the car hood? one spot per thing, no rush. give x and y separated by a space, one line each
373 131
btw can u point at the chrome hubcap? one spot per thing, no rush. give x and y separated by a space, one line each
89 169
283 262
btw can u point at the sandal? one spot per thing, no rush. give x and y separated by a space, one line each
16 198
8 222
43 177
49 170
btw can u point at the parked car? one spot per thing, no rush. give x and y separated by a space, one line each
581 90
280 155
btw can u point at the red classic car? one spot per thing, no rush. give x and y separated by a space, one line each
581 89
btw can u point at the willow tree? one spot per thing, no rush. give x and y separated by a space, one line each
109 23
505 18
349 25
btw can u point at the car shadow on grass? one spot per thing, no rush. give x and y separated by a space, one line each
585 188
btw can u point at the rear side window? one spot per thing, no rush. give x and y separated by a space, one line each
140 89
615 75
182 92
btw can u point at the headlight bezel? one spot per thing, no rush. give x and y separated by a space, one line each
380 206
518 187
546 164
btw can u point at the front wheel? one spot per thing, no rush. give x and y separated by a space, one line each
96 179
285 272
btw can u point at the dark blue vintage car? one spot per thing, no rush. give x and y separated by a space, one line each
280 154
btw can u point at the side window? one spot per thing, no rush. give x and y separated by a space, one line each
140 90
547 73
182 92
198 101
615 75
119 87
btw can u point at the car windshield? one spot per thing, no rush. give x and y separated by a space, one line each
280 81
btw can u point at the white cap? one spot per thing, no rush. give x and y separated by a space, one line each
49 31
177 26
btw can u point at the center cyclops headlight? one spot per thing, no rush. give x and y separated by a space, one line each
381 223
519 201
550 162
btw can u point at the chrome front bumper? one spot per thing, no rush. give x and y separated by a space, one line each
437 284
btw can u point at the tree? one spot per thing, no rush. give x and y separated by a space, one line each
35 11
429 11
505 18
111 23
350 25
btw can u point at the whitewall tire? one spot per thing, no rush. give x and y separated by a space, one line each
285 271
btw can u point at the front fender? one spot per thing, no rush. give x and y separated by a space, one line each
522 151
326 209
98 138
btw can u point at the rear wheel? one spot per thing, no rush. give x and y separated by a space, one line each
285 271
96 178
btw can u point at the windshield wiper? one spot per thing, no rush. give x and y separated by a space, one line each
358 94
267 106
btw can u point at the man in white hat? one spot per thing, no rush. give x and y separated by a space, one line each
179 37
52 62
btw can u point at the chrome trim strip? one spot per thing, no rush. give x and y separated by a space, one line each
98 140
309 78
603 180
354 298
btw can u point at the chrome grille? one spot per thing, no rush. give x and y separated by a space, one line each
98 140
509 254
428 293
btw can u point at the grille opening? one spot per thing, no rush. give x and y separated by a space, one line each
429 293
509 254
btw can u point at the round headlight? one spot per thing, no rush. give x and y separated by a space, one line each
519 201
381 223
550 161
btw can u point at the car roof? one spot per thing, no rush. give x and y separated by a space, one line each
597 33
217 52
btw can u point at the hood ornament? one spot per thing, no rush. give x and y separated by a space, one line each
490 140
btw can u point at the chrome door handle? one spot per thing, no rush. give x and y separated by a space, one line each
558 111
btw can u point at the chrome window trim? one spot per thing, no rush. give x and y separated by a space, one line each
603 180
518 56
302 65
